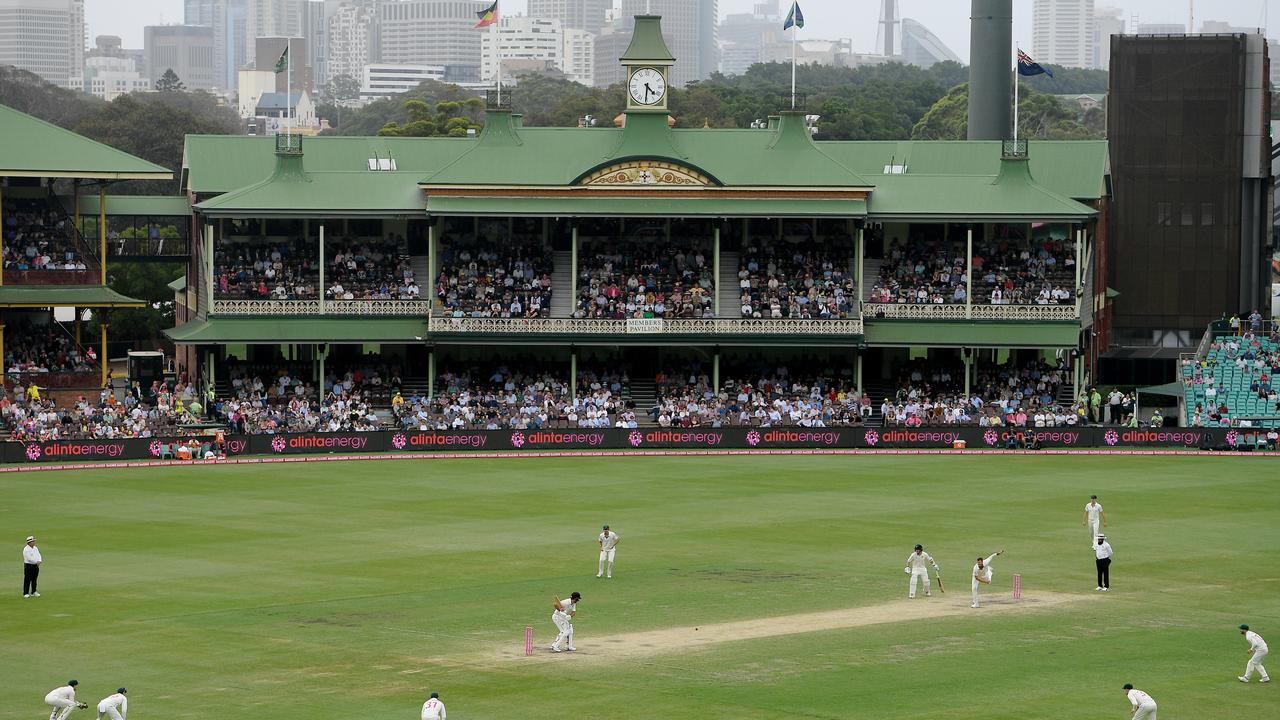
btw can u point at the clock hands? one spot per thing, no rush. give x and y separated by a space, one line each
647 91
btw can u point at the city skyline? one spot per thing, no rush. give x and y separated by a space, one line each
826 19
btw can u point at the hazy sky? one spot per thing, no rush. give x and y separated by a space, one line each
949 19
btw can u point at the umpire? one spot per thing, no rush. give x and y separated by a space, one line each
30 568
1103 552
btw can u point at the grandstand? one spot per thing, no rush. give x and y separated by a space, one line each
1229 381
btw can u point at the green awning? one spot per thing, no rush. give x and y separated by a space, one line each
971 333
644 207
1173 389
31 147
42 296
135 205
275 331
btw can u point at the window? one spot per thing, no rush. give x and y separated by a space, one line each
1164 213
1206 214
1188 214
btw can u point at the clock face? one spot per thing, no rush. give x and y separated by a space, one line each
647 86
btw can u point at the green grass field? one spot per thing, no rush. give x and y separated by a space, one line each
351 590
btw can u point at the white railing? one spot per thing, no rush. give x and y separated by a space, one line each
911 311
576 326
371 308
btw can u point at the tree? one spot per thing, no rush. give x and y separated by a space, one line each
948 119
169 82
341 89
29 93
450 118
1040 117
148 282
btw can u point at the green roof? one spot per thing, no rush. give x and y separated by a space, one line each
215 164
31 147
647 44
558 157
632 206
1013 195
40 296
273 330
135 205
1075 169
291 192
179 285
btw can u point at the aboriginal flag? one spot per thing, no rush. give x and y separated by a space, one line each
488 16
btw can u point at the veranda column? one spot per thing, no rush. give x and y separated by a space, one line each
431 261
320 289
968 272
858 263
102 358
573 270
967 356
573 375
715 244
2 251
102 232
431 374
208 264
857 371
75 202
715 371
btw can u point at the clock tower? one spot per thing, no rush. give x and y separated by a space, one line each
648 62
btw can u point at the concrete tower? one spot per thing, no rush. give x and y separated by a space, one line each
990 69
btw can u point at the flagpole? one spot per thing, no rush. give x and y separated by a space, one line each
497 50
793 65
288 90
1015 103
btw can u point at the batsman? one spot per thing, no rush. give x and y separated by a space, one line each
917 564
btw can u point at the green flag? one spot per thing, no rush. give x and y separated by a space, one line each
283 63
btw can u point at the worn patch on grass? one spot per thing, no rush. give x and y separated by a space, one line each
684 639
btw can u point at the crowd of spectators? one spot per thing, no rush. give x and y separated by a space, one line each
495 278
143 412
369 270
638 279
791 280
1253 357
39 236
274 397
531 397
44 348
769 398
1019 395
266 270
1005 272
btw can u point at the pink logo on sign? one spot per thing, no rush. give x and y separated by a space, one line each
635 438
753 438
154 447
517 439
278 443
33 452
1232 438
1111 437
872 437
991 437
398 441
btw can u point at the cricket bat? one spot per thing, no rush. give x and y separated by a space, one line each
941 588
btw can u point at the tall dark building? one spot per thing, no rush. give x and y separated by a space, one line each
1187 124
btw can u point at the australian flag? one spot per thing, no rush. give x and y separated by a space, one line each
1027 66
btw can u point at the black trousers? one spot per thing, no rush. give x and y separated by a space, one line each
30 573
1104 572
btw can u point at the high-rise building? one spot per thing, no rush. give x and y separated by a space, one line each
187 50
41 36
226 17
581 14
1062 32
199 12
521 38
922 48
610 44
690 29
315 28
579 56
432 32
1162 29
1107 21
351 39
742 35
271 18
383 81
268 50
108 77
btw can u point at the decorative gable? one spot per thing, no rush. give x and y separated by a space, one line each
647 172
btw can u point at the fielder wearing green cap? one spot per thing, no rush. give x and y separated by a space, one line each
433 709
1144 708
1257 651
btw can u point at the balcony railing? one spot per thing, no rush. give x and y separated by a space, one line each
646 326
372 308
909 311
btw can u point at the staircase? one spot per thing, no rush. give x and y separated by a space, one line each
421 266
727 286
644 394
877 390
1067 395
870 273
562 284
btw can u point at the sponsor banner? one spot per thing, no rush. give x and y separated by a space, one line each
644 326
974 438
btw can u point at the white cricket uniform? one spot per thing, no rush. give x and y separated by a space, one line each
564 622
1094 512
918 565
985 572
63 700
1144 708
608 541
433 709
1259 652
114 706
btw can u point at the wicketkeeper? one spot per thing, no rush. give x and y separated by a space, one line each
63 700
917 564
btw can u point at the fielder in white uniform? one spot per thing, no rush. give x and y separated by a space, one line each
433 709
608 541
563 618
982 571
1257 651
63 700
1144 708
115 707
1093 515
917 563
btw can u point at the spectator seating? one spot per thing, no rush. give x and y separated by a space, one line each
796 280
1235 384
267 268
39 236
1005 272
497 277
640 279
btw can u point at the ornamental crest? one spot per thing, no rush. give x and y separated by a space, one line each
645 172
